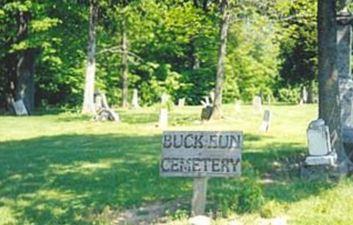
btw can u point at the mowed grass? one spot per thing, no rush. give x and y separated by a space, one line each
66 169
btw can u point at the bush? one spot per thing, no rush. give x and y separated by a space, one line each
289 95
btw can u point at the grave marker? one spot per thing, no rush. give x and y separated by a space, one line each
266 121
181 102
135 99
103 111
201 155
207 100
164 99
257 104
304 95
237 106
163 118
206 112
20 108
320 146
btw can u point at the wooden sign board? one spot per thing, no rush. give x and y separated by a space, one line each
201 154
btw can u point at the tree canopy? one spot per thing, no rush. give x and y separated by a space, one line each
171 47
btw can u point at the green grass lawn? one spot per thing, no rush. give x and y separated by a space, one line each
65 169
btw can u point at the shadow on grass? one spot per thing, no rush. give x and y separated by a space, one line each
65 179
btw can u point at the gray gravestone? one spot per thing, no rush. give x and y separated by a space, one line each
266 121
344 46
206 112
135 99
20 108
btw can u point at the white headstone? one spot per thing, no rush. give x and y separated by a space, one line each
164 98
304 95
207 100
20 108
318 138
265 126
257 104
319 143
163 118
135 99
237 106
181 102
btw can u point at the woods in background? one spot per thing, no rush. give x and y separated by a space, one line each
157 47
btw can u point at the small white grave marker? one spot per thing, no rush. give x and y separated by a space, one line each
181 102
164 99
207 100
237 106
163 118
135 99
257 104
305 95
20 108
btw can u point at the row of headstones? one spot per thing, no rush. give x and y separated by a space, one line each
207 110
104 112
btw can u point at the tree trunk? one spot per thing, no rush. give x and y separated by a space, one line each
329 103
25 78
224 24
88 99
124 67
24 88
193 57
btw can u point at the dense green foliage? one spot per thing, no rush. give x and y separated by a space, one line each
172 48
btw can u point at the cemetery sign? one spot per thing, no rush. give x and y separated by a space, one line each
201 153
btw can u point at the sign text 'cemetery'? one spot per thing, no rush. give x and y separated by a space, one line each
201 153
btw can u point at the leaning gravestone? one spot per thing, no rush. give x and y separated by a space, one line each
135 99
20 108
206 113
103 111
266 122
163 118
257 104
201 155
207 100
